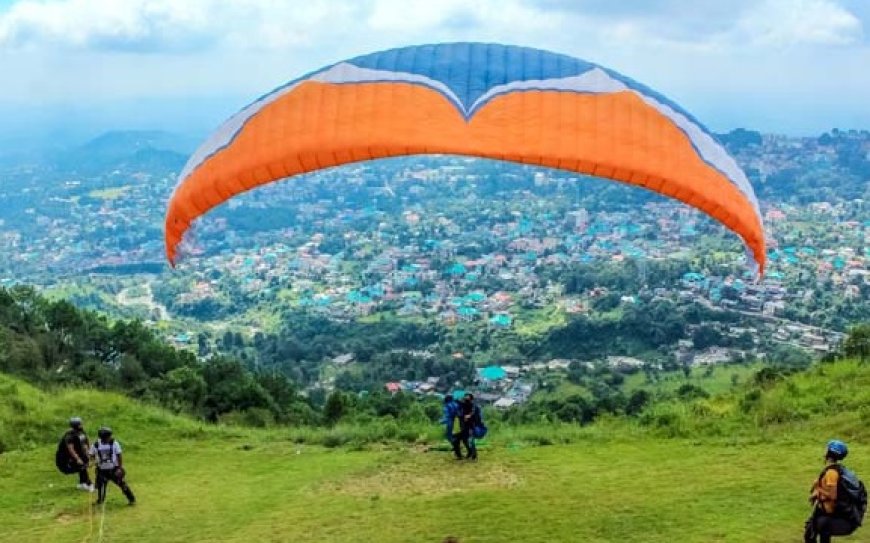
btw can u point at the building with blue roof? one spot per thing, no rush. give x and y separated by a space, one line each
492 373
467 313
457 269
501 320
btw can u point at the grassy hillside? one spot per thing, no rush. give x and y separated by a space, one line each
738 470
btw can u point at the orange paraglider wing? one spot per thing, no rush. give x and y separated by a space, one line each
484 100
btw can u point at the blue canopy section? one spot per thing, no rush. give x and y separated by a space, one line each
470 70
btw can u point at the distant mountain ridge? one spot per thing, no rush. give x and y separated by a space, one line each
152 150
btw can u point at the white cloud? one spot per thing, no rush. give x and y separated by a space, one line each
167 25
185 25
62 51
128 24
794 22
709 25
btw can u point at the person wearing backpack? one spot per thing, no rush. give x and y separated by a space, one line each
839 498
471 422
107 454
448 419
72 454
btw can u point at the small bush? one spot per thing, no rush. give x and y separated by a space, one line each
18 406
689 391
750 400
334 439
255 417
198 433
778 413
668 418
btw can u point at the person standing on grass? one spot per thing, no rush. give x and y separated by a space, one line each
107 453
450 415
72 454
470 420
839 499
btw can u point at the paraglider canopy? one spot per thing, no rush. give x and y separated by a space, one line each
483 100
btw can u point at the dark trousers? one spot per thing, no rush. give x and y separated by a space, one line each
453 439
821 527
454 444
103 478
468 440
84 476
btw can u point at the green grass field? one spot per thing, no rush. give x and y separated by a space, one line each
720 379
613 481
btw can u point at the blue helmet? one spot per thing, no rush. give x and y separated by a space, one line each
837 449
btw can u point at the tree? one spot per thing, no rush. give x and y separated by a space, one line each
637 401
182 389
334 408
857 343
706 336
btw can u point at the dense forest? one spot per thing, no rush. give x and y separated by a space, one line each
55 344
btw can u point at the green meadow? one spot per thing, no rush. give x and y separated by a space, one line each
734 467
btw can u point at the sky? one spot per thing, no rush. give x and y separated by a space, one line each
76 66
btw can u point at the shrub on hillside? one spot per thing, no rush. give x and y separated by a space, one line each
256 417
668 419
689 392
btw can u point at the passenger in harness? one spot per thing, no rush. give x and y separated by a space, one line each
448 419
107 454
72 454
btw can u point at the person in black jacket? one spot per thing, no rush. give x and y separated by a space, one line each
469 418
72 454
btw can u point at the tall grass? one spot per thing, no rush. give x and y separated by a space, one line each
835 395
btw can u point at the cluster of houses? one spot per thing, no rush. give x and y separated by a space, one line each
428 279
481 263
499 386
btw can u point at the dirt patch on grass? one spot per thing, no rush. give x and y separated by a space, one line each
414 479
65 518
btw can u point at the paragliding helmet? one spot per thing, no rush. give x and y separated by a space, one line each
105 432
75 422
837 449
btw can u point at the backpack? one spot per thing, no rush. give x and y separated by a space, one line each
851 495
478 431
62 459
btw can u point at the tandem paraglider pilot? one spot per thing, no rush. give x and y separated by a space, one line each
107 453
838 497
